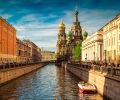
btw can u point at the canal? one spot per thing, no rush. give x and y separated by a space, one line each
46 83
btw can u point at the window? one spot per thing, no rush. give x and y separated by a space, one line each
114 54
109 42
112 41
76 33
119 36
104 43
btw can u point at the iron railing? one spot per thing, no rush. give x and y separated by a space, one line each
113 71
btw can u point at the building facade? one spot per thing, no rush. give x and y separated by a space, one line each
14 50
111 40
48 56
61 42
104 45
7 42
23 54
35 51
76 29
66 42
92 47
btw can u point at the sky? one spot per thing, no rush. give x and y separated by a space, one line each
37 20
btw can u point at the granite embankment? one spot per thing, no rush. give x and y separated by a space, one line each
9 74
107 85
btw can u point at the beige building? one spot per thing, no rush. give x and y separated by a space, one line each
48 56
92 47
61 51
35 51
104 45
111 40
27 52
23 51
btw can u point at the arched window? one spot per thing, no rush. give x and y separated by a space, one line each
76 33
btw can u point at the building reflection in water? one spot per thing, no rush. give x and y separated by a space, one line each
66 84
44 84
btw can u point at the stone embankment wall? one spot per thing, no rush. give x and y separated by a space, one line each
107 86
112 88
12 73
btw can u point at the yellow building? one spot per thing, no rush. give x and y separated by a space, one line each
67 41
61 51
48 56
111 40
92 47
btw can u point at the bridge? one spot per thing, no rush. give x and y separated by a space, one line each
48 56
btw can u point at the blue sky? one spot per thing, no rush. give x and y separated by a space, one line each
38 20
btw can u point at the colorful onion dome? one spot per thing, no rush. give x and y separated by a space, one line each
85 34
61 25
76 11
69 33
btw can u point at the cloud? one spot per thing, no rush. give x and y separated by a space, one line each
38 20
43 34
6 16
32 26
91 20
16 2
35 30
35 18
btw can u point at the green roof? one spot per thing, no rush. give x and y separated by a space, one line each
85 34
69 33
76 12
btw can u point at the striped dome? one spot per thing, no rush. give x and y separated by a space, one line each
69 33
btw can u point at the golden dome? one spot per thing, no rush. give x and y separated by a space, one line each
74 26
61 25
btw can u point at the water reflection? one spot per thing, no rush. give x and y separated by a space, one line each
66 85
45 84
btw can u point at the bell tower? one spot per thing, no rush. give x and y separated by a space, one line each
61 48
76 28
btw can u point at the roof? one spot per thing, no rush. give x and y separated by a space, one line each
69 33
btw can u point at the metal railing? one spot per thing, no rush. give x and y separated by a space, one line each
113 71
14 64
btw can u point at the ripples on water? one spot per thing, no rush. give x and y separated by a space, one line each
45 84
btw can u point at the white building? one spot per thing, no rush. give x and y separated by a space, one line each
92 47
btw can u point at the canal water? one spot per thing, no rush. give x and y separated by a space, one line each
47 83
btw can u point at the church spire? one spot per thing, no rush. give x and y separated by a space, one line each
76 14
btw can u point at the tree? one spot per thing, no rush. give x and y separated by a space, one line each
76 51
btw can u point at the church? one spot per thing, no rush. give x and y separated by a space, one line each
67 41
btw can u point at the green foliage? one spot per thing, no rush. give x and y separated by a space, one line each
76 51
